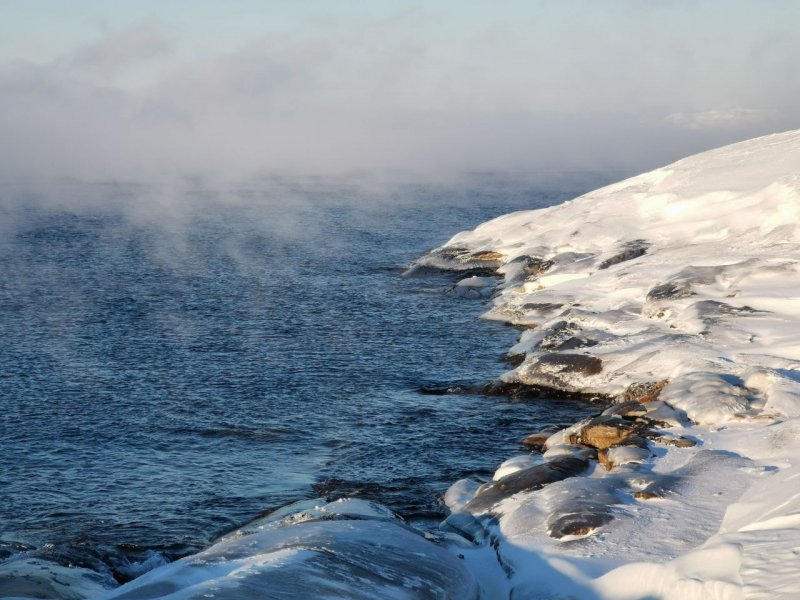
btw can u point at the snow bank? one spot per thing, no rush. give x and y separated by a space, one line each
680 288
347 549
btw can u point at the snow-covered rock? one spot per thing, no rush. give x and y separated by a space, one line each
514 464
24 577
349 549
678 289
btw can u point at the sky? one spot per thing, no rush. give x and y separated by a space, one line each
140 91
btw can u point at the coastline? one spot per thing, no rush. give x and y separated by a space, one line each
673 293
670 292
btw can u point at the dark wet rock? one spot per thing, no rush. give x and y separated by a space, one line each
645 391
630 410
514 360
558 362
606 431
423 270
519 390
631 250
534 478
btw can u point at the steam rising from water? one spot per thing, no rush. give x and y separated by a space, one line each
404 91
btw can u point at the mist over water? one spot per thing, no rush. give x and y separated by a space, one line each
174 367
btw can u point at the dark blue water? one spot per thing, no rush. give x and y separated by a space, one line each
164 380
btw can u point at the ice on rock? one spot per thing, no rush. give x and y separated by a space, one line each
624 455
352 550
569 450
36 578
474 287
512 465
460 493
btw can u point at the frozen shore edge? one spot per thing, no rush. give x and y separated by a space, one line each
677 292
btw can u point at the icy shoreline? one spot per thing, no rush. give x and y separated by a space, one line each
676 291
677 294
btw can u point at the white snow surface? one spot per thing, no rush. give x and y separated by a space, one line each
349 549
688 274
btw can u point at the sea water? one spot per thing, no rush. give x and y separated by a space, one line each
170 371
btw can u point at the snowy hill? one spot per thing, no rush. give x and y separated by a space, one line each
677 291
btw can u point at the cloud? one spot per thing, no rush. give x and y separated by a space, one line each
721 118
413 95
120 49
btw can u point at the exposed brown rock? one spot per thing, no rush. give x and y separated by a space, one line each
602 458
647 495
487 255
606 431
643 392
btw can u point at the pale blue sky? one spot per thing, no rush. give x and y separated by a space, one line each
98 88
